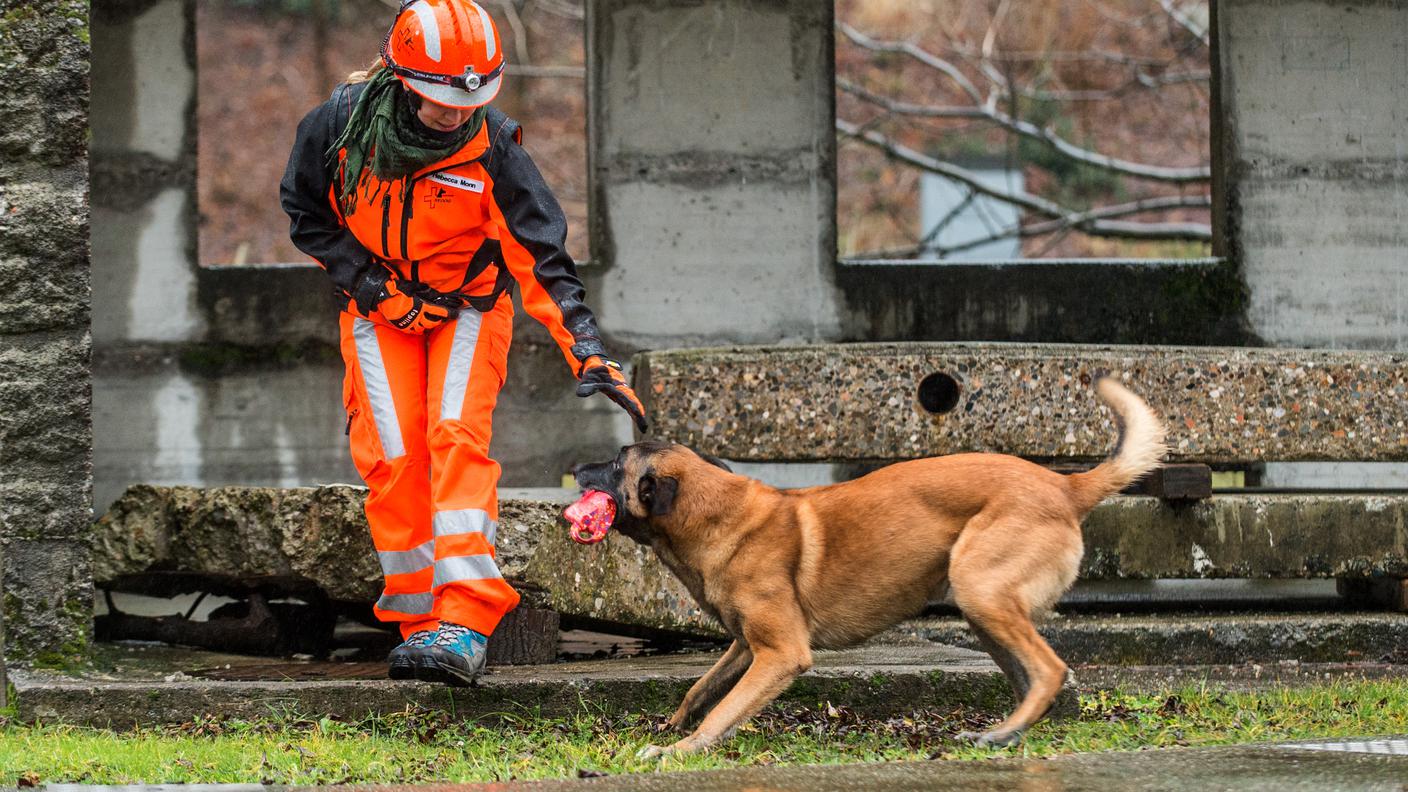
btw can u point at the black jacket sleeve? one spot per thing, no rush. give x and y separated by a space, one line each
535 249
313 225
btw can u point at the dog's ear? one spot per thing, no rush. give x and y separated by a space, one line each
657 493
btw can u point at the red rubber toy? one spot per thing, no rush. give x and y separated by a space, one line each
591 517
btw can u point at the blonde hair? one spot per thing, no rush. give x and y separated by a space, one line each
363 75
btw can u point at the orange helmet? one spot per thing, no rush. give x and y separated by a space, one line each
448 51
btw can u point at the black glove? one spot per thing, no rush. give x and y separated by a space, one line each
602 374
408 305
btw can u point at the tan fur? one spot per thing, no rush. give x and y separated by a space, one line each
828 567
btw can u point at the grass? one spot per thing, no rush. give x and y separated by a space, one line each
425 746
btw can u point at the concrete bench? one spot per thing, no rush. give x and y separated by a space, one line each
866 402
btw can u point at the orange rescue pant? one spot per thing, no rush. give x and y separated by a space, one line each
419 413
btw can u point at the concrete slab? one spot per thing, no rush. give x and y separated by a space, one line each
321 534
874 680
862 401
1248 536
1206 639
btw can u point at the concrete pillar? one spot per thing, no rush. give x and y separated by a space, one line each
45 434
711 151
144 172
1315 156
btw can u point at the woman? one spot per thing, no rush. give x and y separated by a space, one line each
418 200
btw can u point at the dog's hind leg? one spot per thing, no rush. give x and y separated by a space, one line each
1007 661
1044 671
1000 573
712 686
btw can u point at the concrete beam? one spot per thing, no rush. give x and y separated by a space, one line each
1081 301
863 401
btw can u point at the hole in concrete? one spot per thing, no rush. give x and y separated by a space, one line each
938 393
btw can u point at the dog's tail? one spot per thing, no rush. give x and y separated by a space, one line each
1137 451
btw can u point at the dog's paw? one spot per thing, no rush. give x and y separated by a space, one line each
654 752
990 739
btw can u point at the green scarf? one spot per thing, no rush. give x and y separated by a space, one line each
384 134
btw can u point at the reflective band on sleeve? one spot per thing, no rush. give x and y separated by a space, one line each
409 604
378 388
401 562
463 521
461 361
475 567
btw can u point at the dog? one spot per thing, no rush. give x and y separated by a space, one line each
789 571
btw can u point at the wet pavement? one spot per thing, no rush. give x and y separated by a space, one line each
1365 764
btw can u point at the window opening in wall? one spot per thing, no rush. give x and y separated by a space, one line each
264 63
990 129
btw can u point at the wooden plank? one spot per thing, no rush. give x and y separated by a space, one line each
526 636
1179 482
1389 593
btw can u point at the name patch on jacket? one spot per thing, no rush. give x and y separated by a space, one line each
458 182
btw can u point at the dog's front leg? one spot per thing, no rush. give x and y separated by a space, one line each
781 651
712 686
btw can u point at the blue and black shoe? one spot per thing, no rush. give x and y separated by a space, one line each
455 656
402 659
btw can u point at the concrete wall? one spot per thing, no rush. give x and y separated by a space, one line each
711 157
45 435
713 222
1315 104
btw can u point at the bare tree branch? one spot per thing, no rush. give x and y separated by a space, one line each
1189 23
1171 78
563 8
515 23
1095 222
1076 222
1026 200
1138 78
1033 132
917 53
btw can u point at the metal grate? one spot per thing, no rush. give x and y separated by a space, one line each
1391 747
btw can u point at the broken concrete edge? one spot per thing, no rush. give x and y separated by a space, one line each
126 705
320 533
866 401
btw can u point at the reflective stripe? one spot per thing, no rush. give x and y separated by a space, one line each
490 45
475 567
378 385
463 521
461 361
401 562
431 28
409 604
